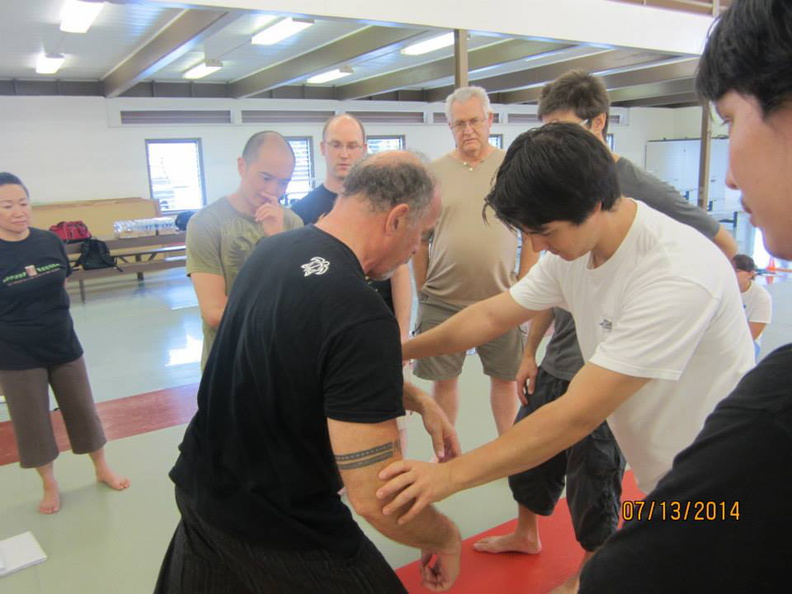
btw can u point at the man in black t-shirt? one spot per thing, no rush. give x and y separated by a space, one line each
304 381
719 521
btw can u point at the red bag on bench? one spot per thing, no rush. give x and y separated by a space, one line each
71 231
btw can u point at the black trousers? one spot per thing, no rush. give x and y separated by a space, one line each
202 559
593 467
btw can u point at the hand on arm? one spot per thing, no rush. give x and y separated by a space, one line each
361 451
594 393
212 298
402 292
474 325
526 375
444 437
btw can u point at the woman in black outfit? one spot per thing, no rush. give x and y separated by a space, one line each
38 347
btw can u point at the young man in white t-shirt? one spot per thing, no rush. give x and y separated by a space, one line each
653 300
756 300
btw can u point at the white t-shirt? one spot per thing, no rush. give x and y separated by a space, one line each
758 304
662 307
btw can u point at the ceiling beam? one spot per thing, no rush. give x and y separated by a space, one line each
685 86
676 100
337 53
483 57
650 74
532 76
181 35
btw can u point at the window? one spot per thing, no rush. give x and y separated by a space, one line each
176 173
377 144
611 140
303 176
496 140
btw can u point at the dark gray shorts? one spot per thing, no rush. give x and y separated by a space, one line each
593 469
500 357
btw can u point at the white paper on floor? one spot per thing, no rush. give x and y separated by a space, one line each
19 552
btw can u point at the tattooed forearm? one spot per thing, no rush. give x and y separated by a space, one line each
368 457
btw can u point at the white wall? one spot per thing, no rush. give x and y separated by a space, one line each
74 148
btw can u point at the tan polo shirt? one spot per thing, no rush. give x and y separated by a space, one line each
469 259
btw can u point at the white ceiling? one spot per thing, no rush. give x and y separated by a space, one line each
136 42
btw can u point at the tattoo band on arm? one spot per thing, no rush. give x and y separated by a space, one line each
367 457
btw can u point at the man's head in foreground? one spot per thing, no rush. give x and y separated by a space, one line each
746 70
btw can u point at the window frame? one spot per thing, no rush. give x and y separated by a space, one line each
402 138
201 173
499 137
308 140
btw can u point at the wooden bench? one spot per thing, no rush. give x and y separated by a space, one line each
135 255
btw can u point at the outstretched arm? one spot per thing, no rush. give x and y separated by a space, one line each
471 327
361 451
593 394
444 437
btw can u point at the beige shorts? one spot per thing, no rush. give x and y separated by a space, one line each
500 357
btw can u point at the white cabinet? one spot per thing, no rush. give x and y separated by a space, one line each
677 162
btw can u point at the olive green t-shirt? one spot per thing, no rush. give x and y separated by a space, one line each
219 240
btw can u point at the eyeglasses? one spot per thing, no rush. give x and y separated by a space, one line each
350 146
461 125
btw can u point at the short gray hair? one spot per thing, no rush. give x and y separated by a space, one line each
385 180
463 94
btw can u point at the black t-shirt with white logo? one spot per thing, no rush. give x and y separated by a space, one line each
303 339
36 329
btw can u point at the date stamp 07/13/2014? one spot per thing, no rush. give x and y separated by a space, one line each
680 511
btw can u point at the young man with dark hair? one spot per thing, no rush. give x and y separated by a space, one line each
593 468
735 478
656 327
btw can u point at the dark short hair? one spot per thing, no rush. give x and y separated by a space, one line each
255 142
344 115
744 262
386 181
749 51
557 172
9 179
576 91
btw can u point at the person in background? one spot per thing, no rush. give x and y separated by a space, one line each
756 300
344 144
719 521
39 348
467 260
221 235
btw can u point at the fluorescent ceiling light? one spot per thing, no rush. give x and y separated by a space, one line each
430 45
280 31
203 69
78 16
49 63
330 75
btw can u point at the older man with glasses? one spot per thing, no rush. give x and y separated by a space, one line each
468 260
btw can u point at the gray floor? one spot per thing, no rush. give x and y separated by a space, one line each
139 339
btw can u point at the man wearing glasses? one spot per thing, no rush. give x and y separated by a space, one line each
344 144
468 260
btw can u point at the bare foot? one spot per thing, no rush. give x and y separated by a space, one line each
508 543
50 503
112 480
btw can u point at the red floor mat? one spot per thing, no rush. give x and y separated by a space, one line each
509 573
